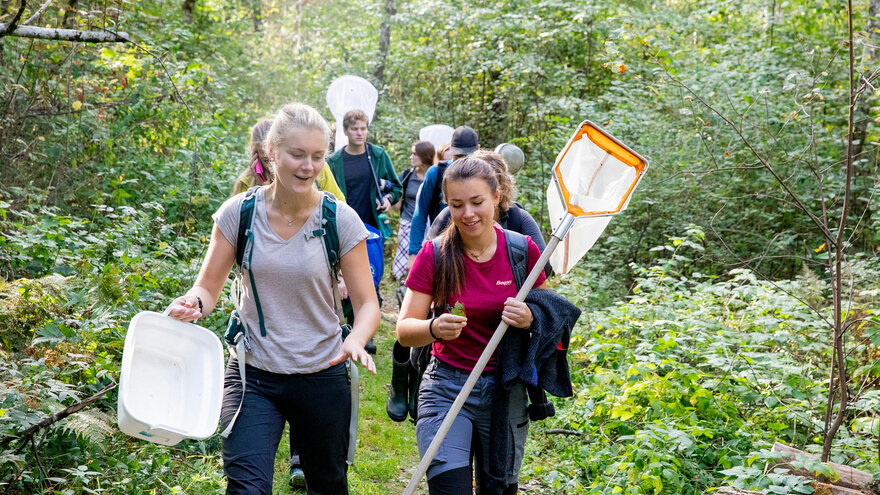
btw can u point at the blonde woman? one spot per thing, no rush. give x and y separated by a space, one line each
295 372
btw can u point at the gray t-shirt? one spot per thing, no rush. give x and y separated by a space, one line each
294 287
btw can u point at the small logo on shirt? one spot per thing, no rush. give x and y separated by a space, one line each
504 282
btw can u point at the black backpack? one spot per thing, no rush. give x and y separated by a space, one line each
517 253
244 251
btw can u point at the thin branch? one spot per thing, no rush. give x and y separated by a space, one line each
37 13
782 183
724 169
563 431
766 278
37 457
29 432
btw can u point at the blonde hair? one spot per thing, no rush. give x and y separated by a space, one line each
295 116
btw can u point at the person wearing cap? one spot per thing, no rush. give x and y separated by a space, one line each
430 203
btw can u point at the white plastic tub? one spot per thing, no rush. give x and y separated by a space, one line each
171 384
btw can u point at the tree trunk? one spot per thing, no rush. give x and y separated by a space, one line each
257 6
839 251
189 6
69 13
384 43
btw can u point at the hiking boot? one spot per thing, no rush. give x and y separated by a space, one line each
297 478
398 403
370 347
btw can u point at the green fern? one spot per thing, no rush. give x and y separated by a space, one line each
91 425
109 283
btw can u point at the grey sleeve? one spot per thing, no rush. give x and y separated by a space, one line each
351 229
226 217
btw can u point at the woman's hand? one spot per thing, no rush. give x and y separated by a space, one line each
185 308
447 326
516 313
355 352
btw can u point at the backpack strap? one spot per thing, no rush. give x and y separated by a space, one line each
405 177
518 254
514 220
434 205
329 234
244 249
245 219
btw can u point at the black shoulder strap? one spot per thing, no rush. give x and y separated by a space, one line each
518 254
244 247
245 219
373 170
329 233
434 206
404 178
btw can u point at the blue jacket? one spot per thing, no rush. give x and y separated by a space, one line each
423 206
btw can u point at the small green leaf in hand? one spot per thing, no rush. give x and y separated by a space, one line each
458 310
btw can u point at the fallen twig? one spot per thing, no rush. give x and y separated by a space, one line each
563 431
29 432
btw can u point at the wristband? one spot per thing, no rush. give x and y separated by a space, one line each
431 330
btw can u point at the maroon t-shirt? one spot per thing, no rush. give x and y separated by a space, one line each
486 286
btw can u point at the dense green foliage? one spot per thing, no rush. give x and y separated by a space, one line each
687 382
697 350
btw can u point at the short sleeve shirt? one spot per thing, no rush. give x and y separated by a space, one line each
294 286
486 286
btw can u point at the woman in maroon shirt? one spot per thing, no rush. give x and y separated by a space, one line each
474 270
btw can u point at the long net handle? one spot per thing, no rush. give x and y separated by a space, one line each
422 468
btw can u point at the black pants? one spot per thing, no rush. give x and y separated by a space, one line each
318 407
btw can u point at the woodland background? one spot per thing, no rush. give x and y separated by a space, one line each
735 303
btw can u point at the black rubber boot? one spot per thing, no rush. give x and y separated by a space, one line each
413 387
370 347
397 404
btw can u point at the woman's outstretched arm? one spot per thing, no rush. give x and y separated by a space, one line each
209 285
